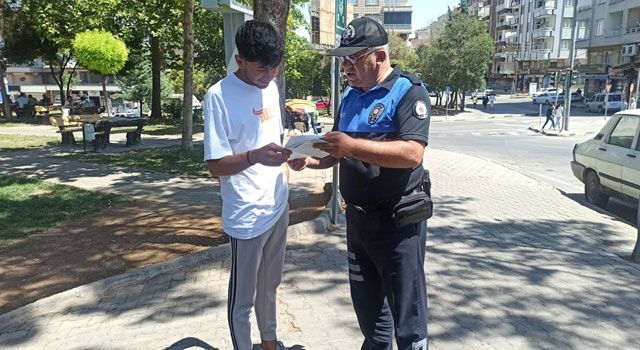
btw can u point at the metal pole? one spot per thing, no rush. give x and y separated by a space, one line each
567 94
606 104
635 103
335 95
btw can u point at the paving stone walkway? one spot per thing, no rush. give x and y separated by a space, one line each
511 264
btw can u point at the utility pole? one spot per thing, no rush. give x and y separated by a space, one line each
567 93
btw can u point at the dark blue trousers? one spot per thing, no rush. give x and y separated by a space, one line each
386 275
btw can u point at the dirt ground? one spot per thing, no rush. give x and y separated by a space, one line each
114 241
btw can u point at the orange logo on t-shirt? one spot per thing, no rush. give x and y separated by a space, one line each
264 114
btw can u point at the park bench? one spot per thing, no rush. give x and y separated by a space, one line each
103 128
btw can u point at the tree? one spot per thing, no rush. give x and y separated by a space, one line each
275 12
208 49
302 61
154 27
55 23
402 55
460 57
187 100
135 83
102 53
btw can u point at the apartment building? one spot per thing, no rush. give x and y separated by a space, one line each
35 78
395 15
609 30
427 36
545 38
323 22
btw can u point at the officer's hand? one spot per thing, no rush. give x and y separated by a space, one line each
337 144
270 155
298 163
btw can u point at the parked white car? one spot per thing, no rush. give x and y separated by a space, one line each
597 103
609 164
544 91
548 98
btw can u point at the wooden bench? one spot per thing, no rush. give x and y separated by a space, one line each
104 127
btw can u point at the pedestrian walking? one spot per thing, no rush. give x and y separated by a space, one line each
474 99
243 148
492 101
485 101
551 111
379 138
558 115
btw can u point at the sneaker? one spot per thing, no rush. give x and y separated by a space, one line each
279 346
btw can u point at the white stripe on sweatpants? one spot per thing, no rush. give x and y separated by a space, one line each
256 272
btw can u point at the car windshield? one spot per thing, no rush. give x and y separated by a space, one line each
615 97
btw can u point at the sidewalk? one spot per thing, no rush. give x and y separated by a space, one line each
511 264
578 126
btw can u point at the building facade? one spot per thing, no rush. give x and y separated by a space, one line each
609 30
395 15
323 22
36 79
546 38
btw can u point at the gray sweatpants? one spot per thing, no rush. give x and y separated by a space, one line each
256 272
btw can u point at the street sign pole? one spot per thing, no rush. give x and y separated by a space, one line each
567 92
341 24
606 100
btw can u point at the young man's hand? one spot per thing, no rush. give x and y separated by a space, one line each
270 155
298 163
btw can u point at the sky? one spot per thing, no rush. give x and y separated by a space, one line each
427 11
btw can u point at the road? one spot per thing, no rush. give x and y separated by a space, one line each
509 141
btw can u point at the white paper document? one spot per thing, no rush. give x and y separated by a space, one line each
302 146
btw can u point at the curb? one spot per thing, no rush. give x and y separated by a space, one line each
86 293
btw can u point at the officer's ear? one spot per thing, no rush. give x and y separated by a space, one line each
381 56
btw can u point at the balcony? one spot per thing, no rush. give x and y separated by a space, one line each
398 28
543 33
484 12
506 5
548 9
397 8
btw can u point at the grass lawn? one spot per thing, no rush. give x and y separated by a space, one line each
30 206
170 160
158 128
15 122
21 142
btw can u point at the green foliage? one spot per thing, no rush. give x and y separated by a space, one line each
461 55
208 46
403 55
135 83
100 51
305 69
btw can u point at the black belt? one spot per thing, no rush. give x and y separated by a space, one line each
370 208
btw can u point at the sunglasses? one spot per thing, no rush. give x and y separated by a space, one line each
355 58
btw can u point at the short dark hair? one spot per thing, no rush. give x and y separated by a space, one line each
258 41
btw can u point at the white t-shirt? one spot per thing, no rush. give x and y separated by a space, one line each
239 117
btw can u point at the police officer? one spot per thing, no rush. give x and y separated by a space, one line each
379 138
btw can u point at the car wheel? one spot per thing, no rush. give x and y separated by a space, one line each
593 190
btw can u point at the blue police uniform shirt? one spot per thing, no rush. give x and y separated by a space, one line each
399 108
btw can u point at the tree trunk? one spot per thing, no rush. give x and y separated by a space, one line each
73 71
276 12
464 98
187 105
107 103
6 102
156 69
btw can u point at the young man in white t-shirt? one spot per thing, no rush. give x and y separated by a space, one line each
243 147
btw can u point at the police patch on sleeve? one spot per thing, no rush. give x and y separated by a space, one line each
420 110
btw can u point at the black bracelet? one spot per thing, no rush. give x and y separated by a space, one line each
249 160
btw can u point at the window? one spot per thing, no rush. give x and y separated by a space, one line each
624 132
568 3
371 2
600 26
600 2
566 23
565 45
397 18
583 30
